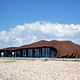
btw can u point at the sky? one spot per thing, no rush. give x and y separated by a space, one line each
26 21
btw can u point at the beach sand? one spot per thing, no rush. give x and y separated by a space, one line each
39 70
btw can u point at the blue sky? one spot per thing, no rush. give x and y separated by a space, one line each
17 12
20 12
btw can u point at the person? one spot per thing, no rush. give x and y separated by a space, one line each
2 54
12 54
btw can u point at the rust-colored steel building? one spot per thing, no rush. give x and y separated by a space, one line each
44 49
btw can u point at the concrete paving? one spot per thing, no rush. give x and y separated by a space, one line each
57 59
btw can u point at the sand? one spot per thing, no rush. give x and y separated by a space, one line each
39 70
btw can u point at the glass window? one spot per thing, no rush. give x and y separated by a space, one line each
43 52
7 53
37 53
48 52
10 53
18 53
30 54
53 52
24 52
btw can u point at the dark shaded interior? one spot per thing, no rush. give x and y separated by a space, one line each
37 52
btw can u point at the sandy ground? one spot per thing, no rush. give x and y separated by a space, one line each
39 70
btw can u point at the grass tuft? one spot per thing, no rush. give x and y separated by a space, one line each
45 59
9 61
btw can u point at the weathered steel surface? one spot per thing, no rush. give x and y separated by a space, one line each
66 49
9 48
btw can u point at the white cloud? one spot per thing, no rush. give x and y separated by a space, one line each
31 32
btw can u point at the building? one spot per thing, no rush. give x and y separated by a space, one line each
44 49
8 52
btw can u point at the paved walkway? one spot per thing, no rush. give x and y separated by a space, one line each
59 59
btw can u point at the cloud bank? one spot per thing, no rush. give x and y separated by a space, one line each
31 32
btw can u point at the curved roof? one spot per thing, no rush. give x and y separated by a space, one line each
9 48
64 48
